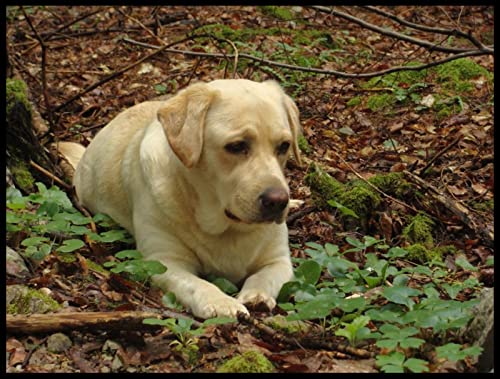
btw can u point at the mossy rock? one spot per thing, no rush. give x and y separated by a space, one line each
22 176
421 254
16 92
24 300
393 79
419 230
360 198
461 69
250 361
323 186
392 184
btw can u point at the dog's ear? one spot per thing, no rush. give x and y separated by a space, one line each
292 113
183 120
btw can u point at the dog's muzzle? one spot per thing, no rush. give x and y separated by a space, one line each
273 202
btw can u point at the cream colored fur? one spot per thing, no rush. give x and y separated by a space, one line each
161 170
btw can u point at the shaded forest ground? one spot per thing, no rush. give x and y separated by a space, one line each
434 124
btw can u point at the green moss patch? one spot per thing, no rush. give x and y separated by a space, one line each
16 92
304 145
419 230
378 102
421 254
249 361
456 74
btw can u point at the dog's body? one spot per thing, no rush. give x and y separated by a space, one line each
198 181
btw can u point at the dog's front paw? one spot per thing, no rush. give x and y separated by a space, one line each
255 299
220 307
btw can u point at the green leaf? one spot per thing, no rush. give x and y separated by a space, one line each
34 241
396 252
339 267
331 249
355 242
225 285
129 254
160 88
395 359
411 342
464 263
49 207
401 295
390 344
350 305
416 365
113 236
308 272
343 209
70 245
454 352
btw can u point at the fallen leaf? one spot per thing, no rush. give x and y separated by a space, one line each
457 191
479 188
16 350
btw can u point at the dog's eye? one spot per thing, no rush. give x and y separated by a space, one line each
240 147
283 148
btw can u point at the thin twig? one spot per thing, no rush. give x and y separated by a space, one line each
117 73
78 19
421 173
310 69
49 175
425 28
392 33
236 53
147 30
44 66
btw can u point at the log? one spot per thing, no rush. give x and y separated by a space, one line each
59 322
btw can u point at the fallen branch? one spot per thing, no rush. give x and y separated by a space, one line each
391 33
425 28
59 322
50 175
304 342
457 209
340 74
116 74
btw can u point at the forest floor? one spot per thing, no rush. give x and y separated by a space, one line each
436 124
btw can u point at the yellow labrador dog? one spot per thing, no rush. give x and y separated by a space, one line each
198 181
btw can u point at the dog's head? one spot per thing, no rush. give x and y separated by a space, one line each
235 136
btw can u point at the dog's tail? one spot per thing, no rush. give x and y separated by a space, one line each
72 152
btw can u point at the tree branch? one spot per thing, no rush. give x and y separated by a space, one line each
425 28
310 69
391 33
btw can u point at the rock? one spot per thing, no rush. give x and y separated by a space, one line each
15 264
110 346
480 330
21 299
58 343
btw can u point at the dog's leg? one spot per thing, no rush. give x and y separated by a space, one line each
204 299
265 284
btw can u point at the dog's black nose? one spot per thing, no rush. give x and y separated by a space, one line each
272 202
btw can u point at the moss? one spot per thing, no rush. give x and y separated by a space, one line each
377 102
421 254
485 206
96 267
323 186
283 13
354 101
392 184
280 322
249 361
419 230
25 300
395 78
23 176
304 145
360 198
16 91
461 69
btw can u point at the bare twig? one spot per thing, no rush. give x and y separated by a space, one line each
44 67
310 69
391 33
146 29
49 175
116 74
425 28
438 154
65 26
